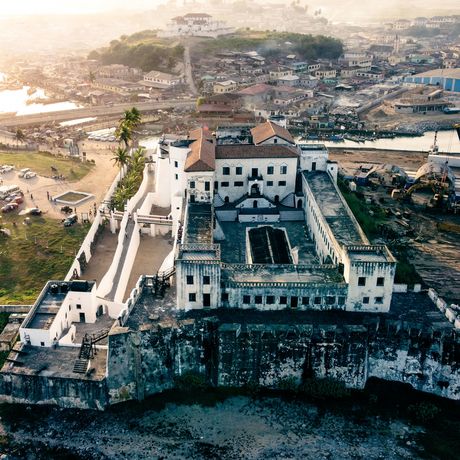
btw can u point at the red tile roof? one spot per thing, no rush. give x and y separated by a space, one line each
202 156
255 90
268 130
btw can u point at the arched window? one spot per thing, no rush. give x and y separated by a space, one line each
277 198
254 204
227 199
299 204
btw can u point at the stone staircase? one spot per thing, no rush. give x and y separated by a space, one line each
80 366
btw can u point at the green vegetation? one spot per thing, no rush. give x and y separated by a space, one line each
33 254
272 44
369 217
129 185
41 163
143 50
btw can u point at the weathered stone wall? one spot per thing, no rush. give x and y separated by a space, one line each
234 354
64 392
148 361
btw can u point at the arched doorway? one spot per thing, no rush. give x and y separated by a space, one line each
255 189
299 204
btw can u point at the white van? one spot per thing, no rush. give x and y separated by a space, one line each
6 190
23 172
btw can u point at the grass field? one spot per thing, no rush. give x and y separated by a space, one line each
33 254
41 163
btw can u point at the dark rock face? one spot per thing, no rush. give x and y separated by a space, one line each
148 361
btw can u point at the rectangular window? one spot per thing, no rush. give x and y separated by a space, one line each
282 183
216 185
341 300
206 279
246 299
317 300
239 170
226 171
305 300
270 300
258 299
192 297
269 183
189 279
224 297
283 169
362 281
254 172
330 300
224 184
192 184
283 300
78 306
380 281
177 176
365 299
238 183
176 164
207 186
379 300
270 170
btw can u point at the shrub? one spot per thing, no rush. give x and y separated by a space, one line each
423 412
326 388
191 381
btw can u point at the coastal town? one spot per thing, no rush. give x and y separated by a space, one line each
230 205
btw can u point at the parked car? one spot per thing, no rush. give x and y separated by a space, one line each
66 209
10 207
23 172
69 221
30 175
35 212
6 168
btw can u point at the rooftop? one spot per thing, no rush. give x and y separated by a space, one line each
333 209
443 73
49 301
228 151
199 224
267 130
272 274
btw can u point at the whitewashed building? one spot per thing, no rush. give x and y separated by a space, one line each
195 25
263 225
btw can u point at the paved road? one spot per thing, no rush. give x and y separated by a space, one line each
86 112
188 71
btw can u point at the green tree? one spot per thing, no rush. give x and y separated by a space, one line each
121 158
19 136
124 133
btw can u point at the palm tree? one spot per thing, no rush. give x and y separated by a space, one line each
124 133
130 121
19 136
132 117
121 158
138 160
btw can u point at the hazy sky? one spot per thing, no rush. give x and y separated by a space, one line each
27 7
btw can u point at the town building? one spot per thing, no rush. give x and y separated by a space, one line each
161 79
447 79
195 25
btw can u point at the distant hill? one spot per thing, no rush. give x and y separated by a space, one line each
143 50
268 43
148 52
